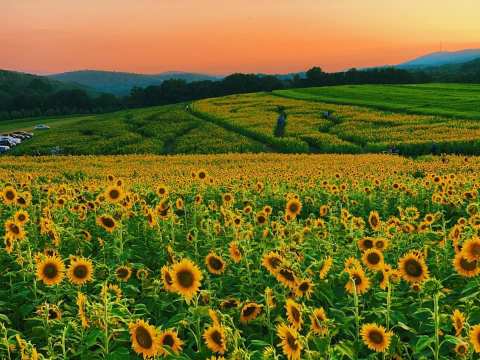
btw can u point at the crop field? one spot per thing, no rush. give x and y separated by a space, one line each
347 128
239 256
156 130
454 100
413 119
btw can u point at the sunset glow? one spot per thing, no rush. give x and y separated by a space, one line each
221 37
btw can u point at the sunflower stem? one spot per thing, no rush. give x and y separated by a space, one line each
436 319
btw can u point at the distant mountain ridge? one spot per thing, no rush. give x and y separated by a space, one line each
120 83
441 58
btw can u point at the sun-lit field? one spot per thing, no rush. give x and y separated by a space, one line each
414 119
263 256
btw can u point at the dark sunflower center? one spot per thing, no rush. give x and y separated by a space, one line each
143 338
357 279
168 340
462 349
50 271
122 273
249 310
413 268
376 337
14 229
374 221
10 195
295 314
304 287
468 265
216 263
52 314
108 222
114 194
217 338
287 274
21 201
379 244
261 219
373 258
80 271
368 243
202 175
274 262
293 208
185 278
291 341
21 217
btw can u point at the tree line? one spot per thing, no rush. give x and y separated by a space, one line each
41 98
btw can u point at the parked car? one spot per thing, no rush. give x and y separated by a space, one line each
4 149
41 127
12 139
6 142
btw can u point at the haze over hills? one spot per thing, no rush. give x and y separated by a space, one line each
442 58
120 83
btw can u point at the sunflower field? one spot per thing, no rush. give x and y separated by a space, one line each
242 256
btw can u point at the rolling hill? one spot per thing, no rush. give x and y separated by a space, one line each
120 83
441 58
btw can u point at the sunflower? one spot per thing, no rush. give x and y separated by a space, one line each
412 267
261 218
215 264
324 210
111 289
291 346
107 222
82 303
214 316
21 217
373 259
376 337
202 174
461 348
351 264
380 244
304 288
374 220
475 337
9 195
14 230
170 338
358 282
458 321
50 311
235 253
385 276
145 339
229 303
365 243
293 208
318 320
294 314
167 279
326 266
464 267
186 278
270 298
471 249
51 270
123 273
80 271
162 190
249 312
114 194
272 262
227 199
215 339
287 277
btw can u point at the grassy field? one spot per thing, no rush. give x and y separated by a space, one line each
455 100
414 119
156 130
242 256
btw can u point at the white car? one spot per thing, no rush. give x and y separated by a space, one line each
41 127
4 149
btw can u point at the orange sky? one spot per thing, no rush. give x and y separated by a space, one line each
223 36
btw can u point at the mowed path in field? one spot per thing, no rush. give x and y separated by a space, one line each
410 119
